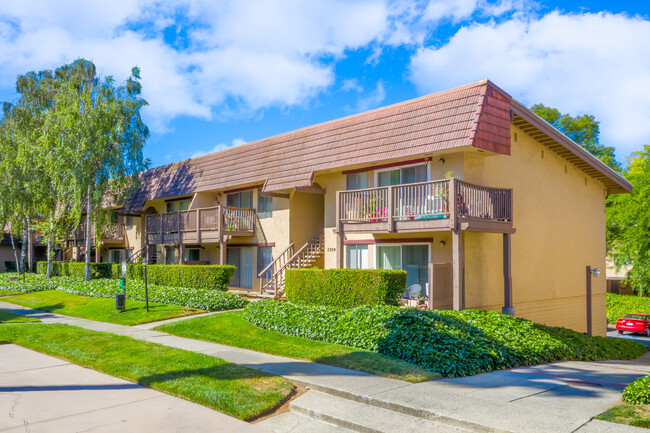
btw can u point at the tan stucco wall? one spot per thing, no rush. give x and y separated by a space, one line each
559 215
6 255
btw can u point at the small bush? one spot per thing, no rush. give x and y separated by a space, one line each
451 343
75 269
345 287
620 305
205 299
638 392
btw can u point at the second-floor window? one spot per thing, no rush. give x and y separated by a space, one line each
356 180
129 222
178 205
240 199
264 206
412 174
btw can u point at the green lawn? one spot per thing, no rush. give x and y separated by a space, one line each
7 317
101 309
4 292
233 330
235 390
635 415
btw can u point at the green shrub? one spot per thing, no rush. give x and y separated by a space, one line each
345 287
10 266
213 277
75 269
638 392
451 343
620 305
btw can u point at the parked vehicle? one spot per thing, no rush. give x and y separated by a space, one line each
637 323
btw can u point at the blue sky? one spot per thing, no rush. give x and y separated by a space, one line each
218 74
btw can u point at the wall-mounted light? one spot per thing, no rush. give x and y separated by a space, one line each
442 244
441 160
595 271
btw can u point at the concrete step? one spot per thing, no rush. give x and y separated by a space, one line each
290 422
365 418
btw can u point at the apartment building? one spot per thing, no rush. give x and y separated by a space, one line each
480 201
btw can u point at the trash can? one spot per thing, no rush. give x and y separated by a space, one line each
120 301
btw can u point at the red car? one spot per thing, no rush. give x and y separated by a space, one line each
636 322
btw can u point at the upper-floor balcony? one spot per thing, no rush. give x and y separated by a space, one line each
447 204
113 233
203 225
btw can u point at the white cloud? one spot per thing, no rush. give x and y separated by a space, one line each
372 100
351 84
590 63
218 147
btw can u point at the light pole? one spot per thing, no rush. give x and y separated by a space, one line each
595 273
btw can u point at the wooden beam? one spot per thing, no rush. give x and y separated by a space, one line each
391 164
275 194
457 269
430 291
508 307
222 253
311 190
243 188
589 327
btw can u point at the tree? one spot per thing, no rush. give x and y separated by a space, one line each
628 224
584 130
102 135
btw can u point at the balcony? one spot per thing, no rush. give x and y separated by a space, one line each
205 225
113 234
425 206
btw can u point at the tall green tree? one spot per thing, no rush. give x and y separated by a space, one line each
584 130
102 133
628 223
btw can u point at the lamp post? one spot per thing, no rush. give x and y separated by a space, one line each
146 287
595 273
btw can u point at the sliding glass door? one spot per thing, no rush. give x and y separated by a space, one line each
242 259
413 259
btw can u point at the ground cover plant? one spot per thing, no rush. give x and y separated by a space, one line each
235 390
7 317
345 287
101 309
13 282
450 343
638 392
233 329
204 299
620 305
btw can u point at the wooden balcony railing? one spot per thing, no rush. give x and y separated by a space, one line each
199 225
114 232
425 201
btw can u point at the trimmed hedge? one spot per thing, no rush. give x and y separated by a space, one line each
638 392
345 287
205 299
214 277
451 343
620 305
75 269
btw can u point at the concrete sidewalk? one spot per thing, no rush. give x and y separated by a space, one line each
40 393
557 397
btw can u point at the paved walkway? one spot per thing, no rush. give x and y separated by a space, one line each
556 397
43 394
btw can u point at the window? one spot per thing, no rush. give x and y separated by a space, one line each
264 206
412 174
242 259
356 256
129 222
178 205
413 259
240 199
171 256
192 254
264 258
356 181
116 256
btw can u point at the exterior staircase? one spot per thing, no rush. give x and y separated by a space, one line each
272 277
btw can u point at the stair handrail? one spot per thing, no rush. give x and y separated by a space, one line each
136 255
307 244
275 260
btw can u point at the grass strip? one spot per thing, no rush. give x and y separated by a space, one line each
4 292
7 317
634 415
229 388
233 329
101 309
